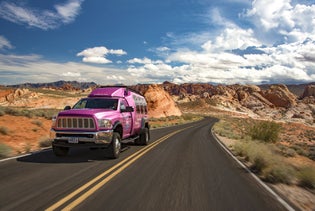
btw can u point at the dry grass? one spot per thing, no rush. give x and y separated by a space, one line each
5 151
260 145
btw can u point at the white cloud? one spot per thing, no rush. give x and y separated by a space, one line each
286 63
140 61
4 43
71 74
33 68
69 10
98 54
293 22
232 38
43 19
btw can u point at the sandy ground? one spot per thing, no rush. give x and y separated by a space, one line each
24 134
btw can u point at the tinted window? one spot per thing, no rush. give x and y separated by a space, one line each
97 103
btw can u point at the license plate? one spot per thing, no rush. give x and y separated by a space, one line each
73 140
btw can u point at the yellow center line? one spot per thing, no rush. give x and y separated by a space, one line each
120 167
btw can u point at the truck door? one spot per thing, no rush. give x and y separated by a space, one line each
126 119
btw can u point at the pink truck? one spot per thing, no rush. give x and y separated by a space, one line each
108 116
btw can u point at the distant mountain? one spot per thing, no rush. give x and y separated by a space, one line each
191 87
57 84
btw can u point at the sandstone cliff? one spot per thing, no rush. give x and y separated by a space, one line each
160 103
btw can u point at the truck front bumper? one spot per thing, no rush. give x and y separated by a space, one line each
71 138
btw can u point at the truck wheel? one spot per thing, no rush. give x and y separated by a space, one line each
115 146
60 151
144 136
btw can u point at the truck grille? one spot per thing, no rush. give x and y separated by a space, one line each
75 123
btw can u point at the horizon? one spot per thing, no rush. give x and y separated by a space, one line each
149 42
91 82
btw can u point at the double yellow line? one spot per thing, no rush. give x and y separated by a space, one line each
106 175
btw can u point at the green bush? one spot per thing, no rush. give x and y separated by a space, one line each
266 131
5 151
306 177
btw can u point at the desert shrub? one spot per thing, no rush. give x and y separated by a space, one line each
38 123
4 130
241 149
46 113
44 142
264 162
188 117
211 101
299 150
279 172
287 151
11 111
306 177
5 150
193 104
266 131
259 155
222 128
27 147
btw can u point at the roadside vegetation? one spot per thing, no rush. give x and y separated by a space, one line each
264 149
59 93
174 120
30 113
5 151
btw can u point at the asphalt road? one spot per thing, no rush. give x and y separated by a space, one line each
181 170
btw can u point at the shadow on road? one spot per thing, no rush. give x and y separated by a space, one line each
75 155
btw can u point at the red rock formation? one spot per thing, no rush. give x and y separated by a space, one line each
309 91
280 96
160 103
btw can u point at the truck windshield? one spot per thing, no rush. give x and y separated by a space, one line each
97 103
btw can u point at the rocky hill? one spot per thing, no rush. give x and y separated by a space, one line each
273 102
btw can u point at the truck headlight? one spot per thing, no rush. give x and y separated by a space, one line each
105 123
53 120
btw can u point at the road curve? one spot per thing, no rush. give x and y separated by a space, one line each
180 170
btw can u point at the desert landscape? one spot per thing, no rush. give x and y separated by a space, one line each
26 112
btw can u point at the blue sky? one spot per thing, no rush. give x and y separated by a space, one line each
149 41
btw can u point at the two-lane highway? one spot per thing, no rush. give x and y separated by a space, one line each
180 170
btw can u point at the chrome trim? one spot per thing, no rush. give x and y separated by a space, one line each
100 137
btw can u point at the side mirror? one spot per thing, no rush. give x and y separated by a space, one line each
67 108
128 109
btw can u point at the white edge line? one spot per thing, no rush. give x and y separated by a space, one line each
273 193
24 155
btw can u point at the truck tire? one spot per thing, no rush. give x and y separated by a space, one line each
60 151
144 136
115 146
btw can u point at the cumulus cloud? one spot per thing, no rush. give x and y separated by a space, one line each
277 47
43 19
35 69
98 54
4 43
293 22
